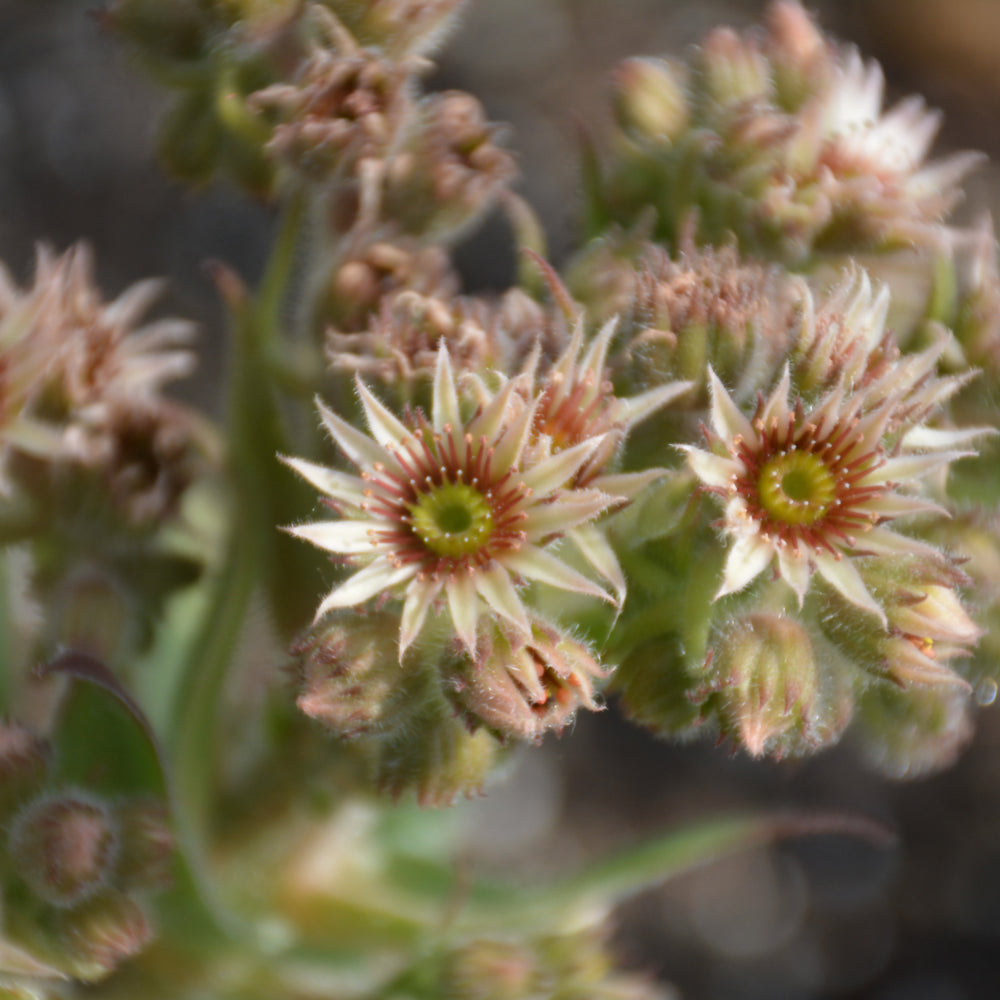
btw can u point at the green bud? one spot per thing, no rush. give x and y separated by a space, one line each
103 933
762 682
914 732
650 100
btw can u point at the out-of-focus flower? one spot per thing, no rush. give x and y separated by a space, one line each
346 104
808 489
77 368
367 278
450 507
525 687
402 341
450 172
781 138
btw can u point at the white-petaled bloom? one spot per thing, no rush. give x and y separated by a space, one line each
69 361
576 404
808 489
452 508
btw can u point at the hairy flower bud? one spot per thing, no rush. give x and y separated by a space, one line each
105 932
521 687
649 99
351 677
762 683
451 171
65 847
914 732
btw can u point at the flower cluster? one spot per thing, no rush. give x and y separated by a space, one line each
784 139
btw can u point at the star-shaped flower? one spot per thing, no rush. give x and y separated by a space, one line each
808 489
452 507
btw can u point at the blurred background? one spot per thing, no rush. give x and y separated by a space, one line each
812 918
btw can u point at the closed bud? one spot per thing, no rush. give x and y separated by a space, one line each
64 847
733 68
650 100
351 677
24 761
490 970
105 932
914 732
521 687
436 758
762 682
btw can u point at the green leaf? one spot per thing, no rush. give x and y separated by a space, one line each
102 740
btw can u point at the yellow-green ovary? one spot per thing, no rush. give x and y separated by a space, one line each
452 520
796 487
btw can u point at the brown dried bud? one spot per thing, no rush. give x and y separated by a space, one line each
65 847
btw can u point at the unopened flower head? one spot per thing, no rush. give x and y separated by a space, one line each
808 488
402 340
710 306
450 507
524 687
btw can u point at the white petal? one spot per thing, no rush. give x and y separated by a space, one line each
334 484
777 403
882 541
464 607
627 485
647 403
534 563
844 577
934 438
904 467
345 537
358 447
565 512
727 419
597 352
445 406
375 578
508 447
712 470
890 505
494 414
385 427
596 549
552 473
420 595
748 558
795 570
496 589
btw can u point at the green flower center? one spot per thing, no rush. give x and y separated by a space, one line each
452 520
796 487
